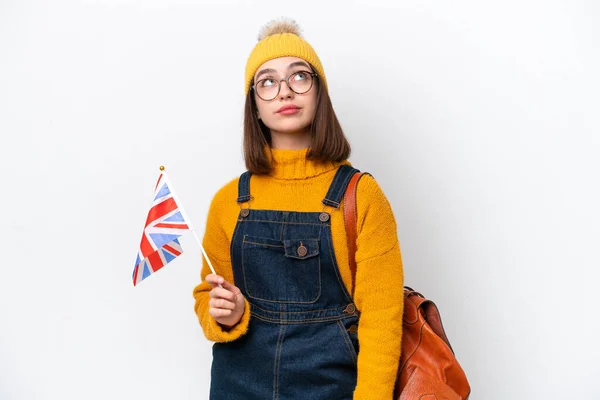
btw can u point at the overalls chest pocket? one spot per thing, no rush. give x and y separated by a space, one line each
283 271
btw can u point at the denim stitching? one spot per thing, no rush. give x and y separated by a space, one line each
282 232
302 312
235 232
261 244
279 321
318 259
244 269
331 203
277 362
349 344
282 222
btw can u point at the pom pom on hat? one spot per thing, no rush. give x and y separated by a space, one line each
281 38
281 25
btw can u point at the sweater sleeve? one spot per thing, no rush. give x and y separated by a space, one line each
378 293
216 245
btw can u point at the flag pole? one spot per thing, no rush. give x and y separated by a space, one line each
185 216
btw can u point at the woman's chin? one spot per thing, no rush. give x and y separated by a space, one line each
291 129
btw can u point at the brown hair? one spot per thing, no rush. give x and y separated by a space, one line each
328 142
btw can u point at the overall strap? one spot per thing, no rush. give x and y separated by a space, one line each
244 187
338 185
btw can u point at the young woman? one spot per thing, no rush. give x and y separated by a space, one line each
284 309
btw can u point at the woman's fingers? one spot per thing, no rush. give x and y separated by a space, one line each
221 303
214 280
219 312
227 303
234 289
222 293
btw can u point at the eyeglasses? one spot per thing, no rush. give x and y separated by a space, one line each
299 82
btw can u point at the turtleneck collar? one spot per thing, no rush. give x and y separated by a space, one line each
292 164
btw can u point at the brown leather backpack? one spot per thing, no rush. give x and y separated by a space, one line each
428 369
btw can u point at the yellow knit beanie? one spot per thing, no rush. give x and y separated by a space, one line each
281 38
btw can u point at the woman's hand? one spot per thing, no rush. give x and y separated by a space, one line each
227 303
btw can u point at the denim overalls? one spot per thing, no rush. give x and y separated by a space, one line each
302 337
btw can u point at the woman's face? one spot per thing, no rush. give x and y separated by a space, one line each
298 119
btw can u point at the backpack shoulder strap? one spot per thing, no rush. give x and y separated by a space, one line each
350 220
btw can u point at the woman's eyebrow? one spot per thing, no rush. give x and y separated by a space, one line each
271 70
297 64
264 71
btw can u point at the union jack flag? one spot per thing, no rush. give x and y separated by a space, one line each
164 225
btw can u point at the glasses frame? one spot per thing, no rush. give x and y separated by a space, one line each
286 80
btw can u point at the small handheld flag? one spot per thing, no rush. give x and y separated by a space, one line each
164 224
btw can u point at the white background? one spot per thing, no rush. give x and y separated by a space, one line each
480 120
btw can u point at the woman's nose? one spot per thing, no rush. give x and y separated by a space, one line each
284 90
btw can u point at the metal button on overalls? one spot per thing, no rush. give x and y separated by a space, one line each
350 309
302 250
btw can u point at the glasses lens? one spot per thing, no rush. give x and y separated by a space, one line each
300 82
266 89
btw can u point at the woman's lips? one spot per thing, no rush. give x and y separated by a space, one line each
289 111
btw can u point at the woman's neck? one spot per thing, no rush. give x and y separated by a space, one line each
290 141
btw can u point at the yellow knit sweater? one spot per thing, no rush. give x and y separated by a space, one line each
297 184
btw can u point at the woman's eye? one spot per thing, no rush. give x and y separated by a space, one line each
298 76
268 82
